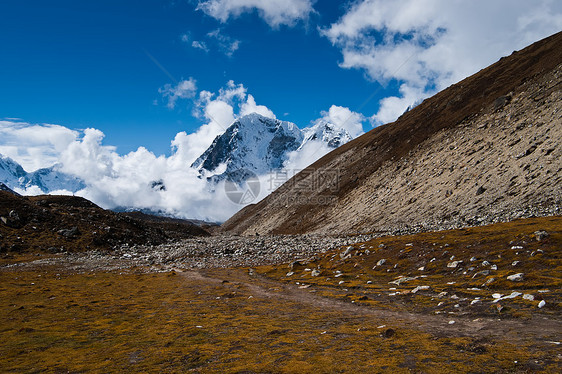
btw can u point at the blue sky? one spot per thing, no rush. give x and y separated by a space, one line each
86 64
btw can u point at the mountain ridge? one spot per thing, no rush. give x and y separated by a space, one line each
50 179
493 95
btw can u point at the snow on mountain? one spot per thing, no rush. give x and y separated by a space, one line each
253 142
326 132
11 173
46 179
261 145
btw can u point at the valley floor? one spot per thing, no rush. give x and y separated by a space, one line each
456 301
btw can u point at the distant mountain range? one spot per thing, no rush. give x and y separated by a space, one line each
47 180
253 142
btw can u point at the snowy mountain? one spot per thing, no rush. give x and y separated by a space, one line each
46 179
260 144
326 132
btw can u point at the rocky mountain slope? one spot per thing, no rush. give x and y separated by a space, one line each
68 223
47 180
486 149
260 145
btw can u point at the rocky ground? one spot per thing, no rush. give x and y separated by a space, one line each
481 299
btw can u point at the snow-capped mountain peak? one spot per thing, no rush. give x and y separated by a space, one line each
252 142
262 145
326 132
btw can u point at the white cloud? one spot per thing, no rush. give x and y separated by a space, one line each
427 45
250 106
200 45
274 12
34 146
184 89
344 118
225 43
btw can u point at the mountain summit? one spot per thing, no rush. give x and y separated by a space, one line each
261 144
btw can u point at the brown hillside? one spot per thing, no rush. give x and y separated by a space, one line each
483 150
70 223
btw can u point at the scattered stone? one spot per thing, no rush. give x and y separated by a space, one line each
388 333
420 288
483 272
516 247
541 235
489 281
528 297
451 322
494 267
513 295
497 295
381 262
402 280
69 233
515 277
315 272
515 263
542 304
453 264
290 273
485 263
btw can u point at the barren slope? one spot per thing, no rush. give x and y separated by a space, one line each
486 149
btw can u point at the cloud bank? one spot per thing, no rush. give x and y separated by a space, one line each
274 12
426 45
143 180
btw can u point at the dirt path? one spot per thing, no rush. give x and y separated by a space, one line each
538 329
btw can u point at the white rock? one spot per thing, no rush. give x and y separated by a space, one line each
513 295
494 267
516 247
474 301
528 297
497 295
422 268
369 282
515 277
420 288
473 259
290 273
315 273
485 263
515 263
453 264
542 303
451 322
341 282
381 262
